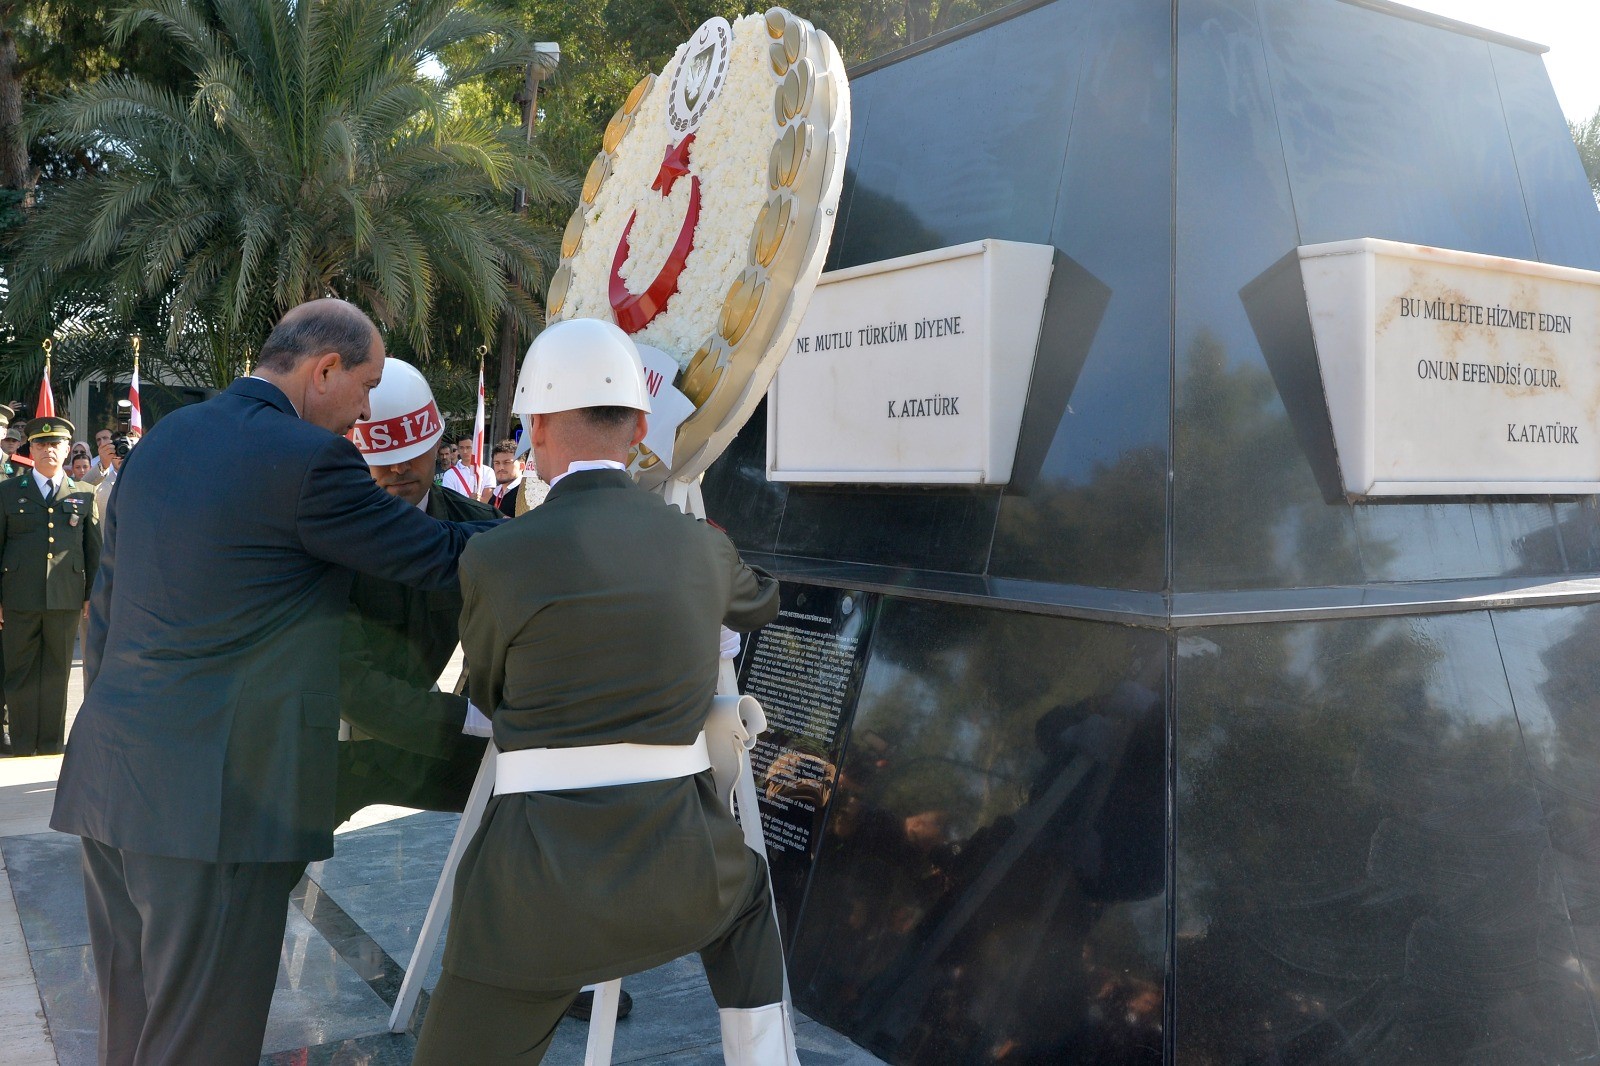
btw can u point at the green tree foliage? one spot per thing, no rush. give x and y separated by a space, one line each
608 45
1586 135
305 151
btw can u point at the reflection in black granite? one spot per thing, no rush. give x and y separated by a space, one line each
1385 842
991 878
1363 870
1095 513
1555 680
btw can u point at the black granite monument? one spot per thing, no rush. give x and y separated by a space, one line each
1166 752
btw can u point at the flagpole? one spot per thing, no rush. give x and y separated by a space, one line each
135 409
46 405
478 427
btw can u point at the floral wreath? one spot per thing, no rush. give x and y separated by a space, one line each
704 221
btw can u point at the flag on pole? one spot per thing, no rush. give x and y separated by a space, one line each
135 416
477 434
46 407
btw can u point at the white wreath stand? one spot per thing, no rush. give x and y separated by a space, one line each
685 495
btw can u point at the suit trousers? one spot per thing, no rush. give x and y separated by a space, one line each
38 659
185 954
486 1025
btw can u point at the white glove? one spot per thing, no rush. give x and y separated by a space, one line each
476 724
730 643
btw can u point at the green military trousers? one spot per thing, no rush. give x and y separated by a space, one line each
470 1022
38 660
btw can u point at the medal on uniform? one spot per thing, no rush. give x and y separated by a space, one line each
72 521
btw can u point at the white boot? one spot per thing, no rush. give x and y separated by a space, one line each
758 1036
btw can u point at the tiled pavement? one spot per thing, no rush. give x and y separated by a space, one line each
352 927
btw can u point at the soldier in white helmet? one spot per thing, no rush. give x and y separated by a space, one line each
605 849
410 750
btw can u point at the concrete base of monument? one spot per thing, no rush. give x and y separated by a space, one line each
352 924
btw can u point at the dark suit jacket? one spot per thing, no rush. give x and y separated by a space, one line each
508 503
397 640
47 561
612 638
209 729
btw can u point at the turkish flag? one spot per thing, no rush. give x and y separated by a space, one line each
46 407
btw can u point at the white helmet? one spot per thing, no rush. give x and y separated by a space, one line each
581 362
405 421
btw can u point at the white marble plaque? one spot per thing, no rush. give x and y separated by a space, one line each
912 370
1452 373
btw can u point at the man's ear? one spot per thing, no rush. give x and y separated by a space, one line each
538 430
323 367
641 426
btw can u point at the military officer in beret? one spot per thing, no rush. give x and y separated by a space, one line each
49 549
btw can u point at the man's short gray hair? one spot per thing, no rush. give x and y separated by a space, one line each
318 327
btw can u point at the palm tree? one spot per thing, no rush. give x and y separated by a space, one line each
308 152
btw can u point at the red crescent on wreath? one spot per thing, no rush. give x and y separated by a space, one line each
633 313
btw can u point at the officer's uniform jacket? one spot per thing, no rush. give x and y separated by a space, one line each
48 551
397 640
612 637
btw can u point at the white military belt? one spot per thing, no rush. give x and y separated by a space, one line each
596 766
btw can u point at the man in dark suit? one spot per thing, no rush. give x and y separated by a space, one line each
49 549
202 766
609 657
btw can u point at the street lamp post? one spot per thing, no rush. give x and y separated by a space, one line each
546 54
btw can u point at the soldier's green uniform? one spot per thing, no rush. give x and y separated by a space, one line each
396 641
49 550
613 638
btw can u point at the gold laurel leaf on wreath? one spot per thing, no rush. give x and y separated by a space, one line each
789 155
616 129
572 236
777 19
794 95
556 295
772 225
701 377
794 40
638 93
599 171
780 59
739 309
646 458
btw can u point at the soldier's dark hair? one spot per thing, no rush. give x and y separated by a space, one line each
314 329
504 447
608 417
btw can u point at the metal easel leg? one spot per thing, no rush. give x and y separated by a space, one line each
439 907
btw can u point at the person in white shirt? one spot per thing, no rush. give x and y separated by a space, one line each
463 479
100 463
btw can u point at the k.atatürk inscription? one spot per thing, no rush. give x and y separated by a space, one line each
1453 373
